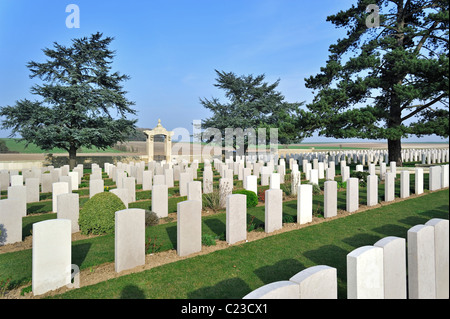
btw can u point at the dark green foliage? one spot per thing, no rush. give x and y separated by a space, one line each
98 214
362 176
288 218
3 147
388 82
78 94
208 240
252 198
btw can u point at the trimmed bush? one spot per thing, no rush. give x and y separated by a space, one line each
252 198
98 214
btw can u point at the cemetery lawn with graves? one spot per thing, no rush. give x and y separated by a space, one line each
222 270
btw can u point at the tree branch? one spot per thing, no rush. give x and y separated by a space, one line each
419 109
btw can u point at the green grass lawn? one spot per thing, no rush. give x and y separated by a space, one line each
236 271
15 145
95 251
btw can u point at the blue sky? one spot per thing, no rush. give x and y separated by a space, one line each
170 49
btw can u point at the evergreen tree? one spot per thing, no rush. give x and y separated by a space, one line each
253 104
386 81
78 94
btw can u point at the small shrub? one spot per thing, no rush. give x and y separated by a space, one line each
151 218
98 214
152 245
252 199
212 200
252 225
208 240
288 218
262 195
341 185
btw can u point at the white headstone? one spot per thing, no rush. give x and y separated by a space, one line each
51 255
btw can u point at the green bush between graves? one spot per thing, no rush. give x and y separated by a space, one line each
252 198
97 215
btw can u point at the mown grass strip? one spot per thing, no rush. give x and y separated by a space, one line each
234 272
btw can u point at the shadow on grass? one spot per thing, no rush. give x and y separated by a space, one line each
332 256
132 292
172 234
234 288
360 240
392 230
282 270
79 253
215 225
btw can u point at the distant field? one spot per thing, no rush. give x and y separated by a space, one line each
14 145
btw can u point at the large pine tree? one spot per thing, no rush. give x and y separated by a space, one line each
77 97
386 81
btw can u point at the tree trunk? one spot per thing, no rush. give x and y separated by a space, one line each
72 157
395 152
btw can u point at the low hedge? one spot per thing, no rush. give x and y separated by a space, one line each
98 214
252 198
